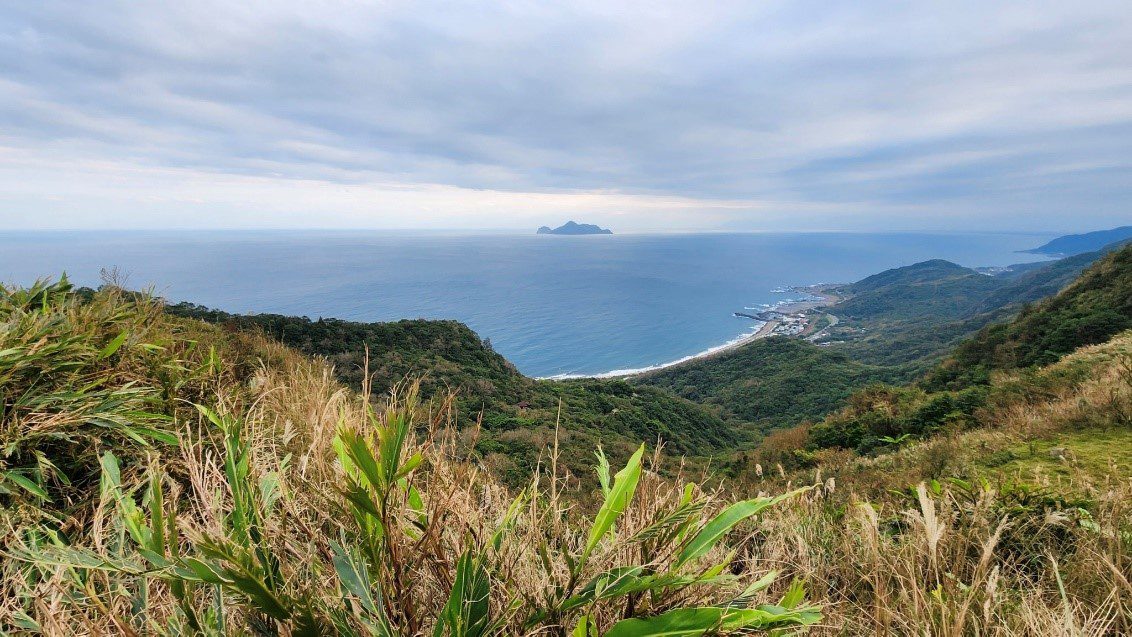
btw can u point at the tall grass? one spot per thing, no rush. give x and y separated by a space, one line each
937 538
362 519
240 490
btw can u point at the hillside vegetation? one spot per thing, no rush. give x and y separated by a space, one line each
939 289
908 318
893 326
1037 281
162 475
519 414
1046 441
774 382
1091 310
959 393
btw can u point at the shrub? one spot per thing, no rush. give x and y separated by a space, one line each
293 507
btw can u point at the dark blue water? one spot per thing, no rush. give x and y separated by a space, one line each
553 305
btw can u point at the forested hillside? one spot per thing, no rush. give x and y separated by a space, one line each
1041 280
519 414
165 475
774 382
939 289
910 317
1092 309
893 327
956 394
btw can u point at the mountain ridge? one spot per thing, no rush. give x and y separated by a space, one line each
517 412
1071 244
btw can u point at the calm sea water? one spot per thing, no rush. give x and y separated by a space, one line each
553 305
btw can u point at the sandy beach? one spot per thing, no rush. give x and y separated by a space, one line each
765 331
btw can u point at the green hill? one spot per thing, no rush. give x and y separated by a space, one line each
1029 282
1092 309
518 413
911 317
894 326
773 383
1078 243
443 353
164 475
938 288
905 317
956 394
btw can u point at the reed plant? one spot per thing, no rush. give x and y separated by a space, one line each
182 479
220 519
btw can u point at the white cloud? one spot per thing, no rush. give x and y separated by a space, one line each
728 115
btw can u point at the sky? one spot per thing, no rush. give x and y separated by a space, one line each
643 117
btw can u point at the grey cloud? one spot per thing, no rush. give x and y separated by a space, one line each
1001 107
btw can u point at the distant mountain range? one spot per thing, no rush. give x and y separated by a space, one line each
1072 244
571 227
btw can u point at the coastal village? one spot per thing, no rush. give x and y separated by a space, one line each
798 318
804 317
801 318
779 323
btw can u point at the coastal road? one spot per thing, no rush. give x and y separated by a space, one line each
833 320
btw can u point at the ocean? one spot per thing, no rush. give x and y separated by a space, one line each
553 305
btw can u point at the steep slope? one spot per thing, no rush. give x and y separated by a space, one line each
773 383
894 326
1055 437
518 413
1072 418
907 316
1091 310
889 319
911 317
1031 282
958 393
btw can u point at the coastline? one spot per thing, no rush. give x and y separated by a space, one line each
765 330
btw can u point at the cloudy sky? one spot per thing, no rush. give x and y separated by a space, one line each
648 116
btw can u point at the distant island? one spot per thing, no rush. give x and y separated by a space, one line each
1073 244
571 227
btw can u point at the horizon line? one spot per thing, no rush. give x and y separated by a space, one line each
515 231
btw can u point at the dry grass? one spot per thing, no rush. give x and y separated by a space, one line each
1032 545
292 506
959 561
950 559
